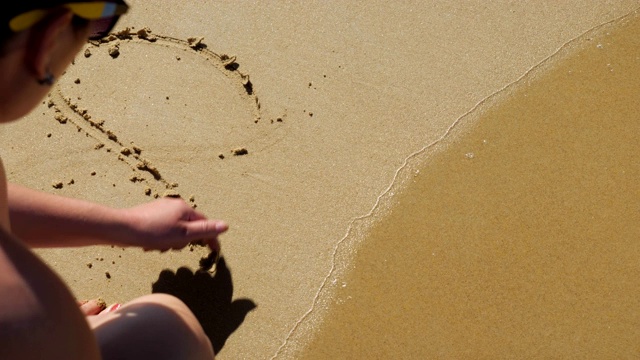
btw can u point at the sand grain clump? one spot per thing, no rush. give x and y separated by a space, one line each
136 178
61 118
146 166
114 50
112 136
239 151
145 34
171 193
196 43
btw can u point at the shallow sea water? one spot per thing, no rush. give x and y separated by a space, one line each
522 238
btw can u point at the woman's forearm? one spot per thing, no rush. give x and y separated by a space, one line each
47 220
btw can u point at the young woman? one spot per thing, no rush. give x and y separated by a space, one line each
39 317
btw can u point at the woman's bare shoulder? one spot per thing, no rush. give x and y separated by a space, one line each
38 315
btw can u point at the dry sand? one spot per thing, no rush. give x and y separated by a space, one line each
342 93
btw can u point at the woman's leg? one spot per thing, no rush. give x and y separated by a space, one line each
157 326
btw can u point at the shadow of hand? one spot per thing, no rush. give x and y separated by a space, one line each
209 298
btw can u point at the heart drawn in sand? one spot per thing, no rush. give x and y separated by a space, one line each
182 116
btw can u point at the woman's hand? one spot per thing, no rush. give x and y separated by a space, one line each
170 223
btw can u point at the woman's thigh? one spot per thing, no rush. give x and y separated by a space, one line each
156 326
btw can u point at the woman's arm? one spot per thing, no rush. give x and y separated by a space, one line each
47 220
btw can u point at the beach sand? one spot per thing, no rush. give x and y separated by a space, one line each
522 237
328 99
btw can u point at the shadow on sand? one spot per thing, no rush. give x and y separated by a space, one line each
210 299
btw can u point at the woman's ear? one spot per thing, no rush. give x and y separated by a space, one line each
42 41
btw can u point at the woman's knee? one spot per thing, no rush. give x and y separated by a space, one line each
154 325
163 304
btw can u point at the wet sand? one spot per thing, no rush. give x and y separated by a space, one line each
521 239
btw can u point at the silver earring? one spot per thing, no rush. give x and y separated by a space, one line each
48 79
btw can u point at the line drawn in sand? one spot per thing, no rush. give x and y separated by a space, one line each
66 110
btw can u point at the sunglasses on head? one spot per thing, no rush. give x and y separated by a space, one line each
103 16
